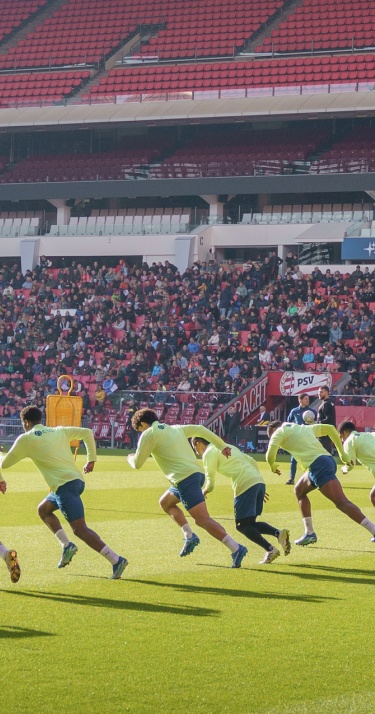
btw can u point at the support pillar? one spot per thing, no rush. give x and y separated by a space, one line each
63 211
216 209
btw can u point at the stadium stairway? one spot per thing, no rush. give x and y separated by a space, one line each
271 24
133 41
37 18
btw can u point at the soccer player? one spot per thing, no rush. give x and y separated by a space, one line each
9 556
302 442
249 494
296 417
173 454
49 449
358 446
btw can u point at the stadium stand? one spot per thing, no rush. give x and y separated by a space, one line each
152 338
39 88
62 39
14 14
251 75
316 24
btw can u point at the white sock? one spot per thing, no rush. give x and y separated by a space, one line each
366 523
230 543
307 522
107 553
187 531
3 551
62 537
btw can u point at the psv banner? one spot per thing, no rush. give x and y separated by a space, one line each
293 383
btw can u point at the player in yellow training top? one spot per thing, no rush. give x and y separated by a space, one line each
358 446
302 443
176 459
249 493
49 449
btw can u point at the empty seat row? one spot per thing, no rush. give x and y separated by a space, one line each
14 14
307 213
63 39
19 226
263 73
39 87
123 225
324 26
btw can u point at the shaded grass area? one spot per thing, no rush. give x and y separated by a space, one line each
185 634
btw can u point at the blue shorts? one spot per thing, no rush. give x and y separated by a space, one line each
250 502
322 470
189 491
68 499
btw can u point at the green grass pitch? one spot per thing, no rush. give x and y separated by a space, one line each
185 634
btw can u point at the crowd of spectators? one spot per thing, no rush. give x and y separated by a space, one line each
147 328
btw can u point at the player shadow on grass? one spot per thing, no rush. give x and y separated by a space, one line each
117 604
330 574
233 593
10 632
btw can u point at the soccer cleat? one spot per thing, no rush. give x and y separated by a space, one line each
270 556
373 540
307 539
238 556
290 482
11 561
284 541
68 552
189 545
118 568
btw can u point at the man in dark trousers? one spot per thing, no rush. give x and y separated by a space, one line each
132 433
232 424
326 415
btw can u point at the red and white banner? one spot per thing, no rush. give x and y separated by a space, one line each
293 383
247 403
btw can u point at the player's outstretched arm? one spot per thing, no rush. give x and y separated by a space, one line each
144 450
191 430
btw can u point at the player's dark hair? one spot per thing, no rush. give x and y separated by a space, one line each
147 416
31 414
302 396
272 426
199 440
346 426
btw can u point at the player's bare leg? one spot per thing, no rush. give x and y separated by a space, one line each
301 489
82 531
46 511
168 503
333 491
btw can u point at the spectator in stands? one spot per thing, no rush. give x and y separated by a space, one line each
231 424
335 333
100 396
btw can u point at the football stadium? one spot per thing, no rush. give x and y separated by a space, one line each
187 348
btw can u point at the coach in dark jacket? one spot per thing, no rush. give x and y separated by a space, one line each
326 415
231 424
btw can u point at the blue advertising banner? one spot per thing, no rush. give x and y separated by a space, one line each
358 249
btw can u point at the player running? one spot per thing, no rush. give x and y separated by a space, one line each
9 556
302 442
49 449
295 416
358 446
249 494
173 454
